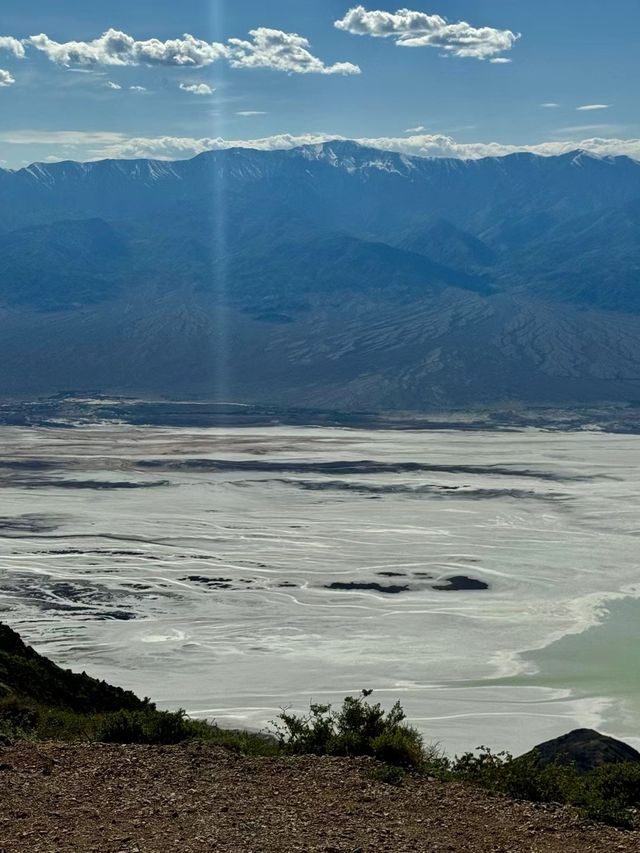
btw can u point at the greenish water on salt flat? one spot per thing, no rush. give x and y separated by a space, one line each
601 662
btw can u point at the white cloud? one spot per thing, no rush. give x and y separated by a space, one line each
267 48
250 113
98 145
500 60
197 88
418 29
12 45
600 127
5 78
60 137
281 51
414 130
549 106
590 107
118 48
115 86
424 145
137 89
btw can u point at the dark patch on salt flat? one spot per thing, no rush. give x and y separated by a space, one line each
353 467
461 583
119 615
390 589
29 464
95 485
29 524
101 552
432 491
212 583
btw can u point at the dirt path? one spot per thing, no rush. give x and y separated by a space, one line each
116 799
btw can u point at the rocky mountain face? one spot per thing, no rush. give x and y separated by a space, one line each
332 276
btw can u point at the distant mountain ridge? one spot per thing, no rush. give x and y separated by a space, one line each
328 275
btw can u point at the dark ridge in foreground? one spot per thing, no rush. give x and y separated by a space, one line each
30 677
586 749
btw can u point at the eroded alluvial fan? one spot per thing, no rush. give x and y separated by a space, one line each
356 278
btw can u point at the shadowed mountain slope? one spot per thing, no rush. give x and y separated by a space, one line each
329 276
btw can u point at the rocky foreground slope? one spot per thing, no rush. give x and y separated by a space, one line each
196 798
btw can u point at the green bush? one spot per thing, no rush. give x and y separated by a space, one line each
358 728
388 774
401 747
521 778
610 794
150 727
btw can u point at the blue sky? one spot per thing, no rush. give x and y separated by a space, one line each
374 77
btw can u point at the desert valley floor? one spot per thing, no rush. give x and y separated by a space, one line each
488 580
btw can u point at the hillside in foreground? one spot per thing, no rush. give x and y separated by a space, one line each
88 767
193 799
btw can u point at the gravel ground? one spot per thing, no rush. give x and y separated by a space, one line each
120 799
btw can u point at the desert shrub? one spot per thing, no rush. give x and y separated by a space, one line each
523 778
122 727
358 728
62 725
150 727
243 742
388 774
17 712
610 794
311 734
400 746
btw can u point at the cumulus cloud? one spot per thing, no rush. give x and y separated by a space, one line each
586 108
197 88
12 45
500 60
422 145
117 48
267 48
115 86
281 51
418 29
5 78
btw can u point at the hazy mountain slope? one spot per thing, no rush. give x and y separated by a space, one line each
329 275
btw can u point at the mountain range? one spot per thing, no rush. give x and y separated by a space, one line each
329 276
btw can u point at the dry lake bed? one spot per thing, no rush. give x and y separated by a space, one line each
486 579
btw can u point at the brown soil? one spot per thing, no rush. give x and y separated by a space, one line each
119 799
